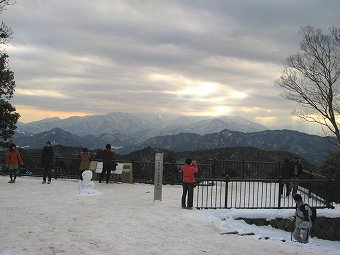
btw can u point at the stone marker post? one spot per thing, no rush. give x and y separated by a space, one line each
158 177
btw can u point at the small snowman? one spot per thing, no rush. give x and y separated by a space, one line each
86 186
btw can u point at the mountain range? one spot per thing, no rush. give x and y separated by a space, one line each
128 132
141 125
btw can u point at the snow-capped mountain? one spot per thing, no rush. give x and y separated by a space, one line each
141 125
129 132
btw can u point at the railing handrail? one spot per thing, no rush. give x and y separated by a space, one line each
314 174
262 180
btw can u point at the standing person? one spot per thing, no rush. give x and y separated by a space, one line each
108 164
303 222
85 161
297 172
47 156
286 173
12 162
188 169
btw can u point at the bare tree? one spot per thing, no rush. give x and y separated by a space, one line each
5 3
5 31
311 78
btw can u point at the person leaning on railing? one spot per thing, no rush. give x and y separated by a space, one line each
285 173
85 161
108 163
296 174
188 169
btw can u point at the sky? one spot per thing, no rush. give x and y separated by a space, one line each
124 219
81 57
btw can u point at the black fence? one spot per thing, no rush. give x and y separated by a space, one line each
221 184
242 193
65 167
241 169
143 172
62 167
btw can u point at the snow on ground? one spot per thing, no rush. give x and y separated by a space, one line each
122 219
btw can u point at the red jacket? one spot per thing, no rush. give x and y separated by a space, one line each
189 172
13 157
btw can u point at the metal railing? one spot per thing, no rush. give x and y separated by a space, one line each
65 167
242 169
248 184
241 193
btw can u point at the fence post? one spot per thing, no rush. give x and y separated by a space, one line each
311 176
243 166
57 170
280 191
226 191
330 191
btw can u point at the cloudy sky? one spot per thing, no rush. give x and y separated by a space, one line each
81 57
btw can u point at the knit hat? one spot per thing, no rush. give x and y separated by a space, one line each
188 161
48 142
297 197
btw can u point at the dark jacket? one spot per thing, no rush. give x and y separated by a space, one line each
286 170
47 156
108 158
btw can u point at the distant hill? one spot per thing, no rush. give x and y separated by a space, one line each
202 156
314 148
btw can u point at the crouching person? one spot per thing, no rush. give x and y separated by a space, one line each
303 222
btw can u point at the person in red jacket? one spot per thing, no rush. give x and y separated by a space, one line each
188 170
13 161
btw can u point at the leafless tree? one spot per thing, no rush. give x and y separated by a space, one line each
5 3
5 31
311 78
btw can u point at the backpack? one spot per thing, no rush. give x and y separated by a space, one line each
313 216
313 209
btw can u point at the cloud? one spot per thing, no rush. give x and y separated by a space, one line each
40 93
190 57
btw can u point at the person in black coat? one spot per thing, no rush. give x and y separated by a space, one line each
47 156
296 173
286 173
108 164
